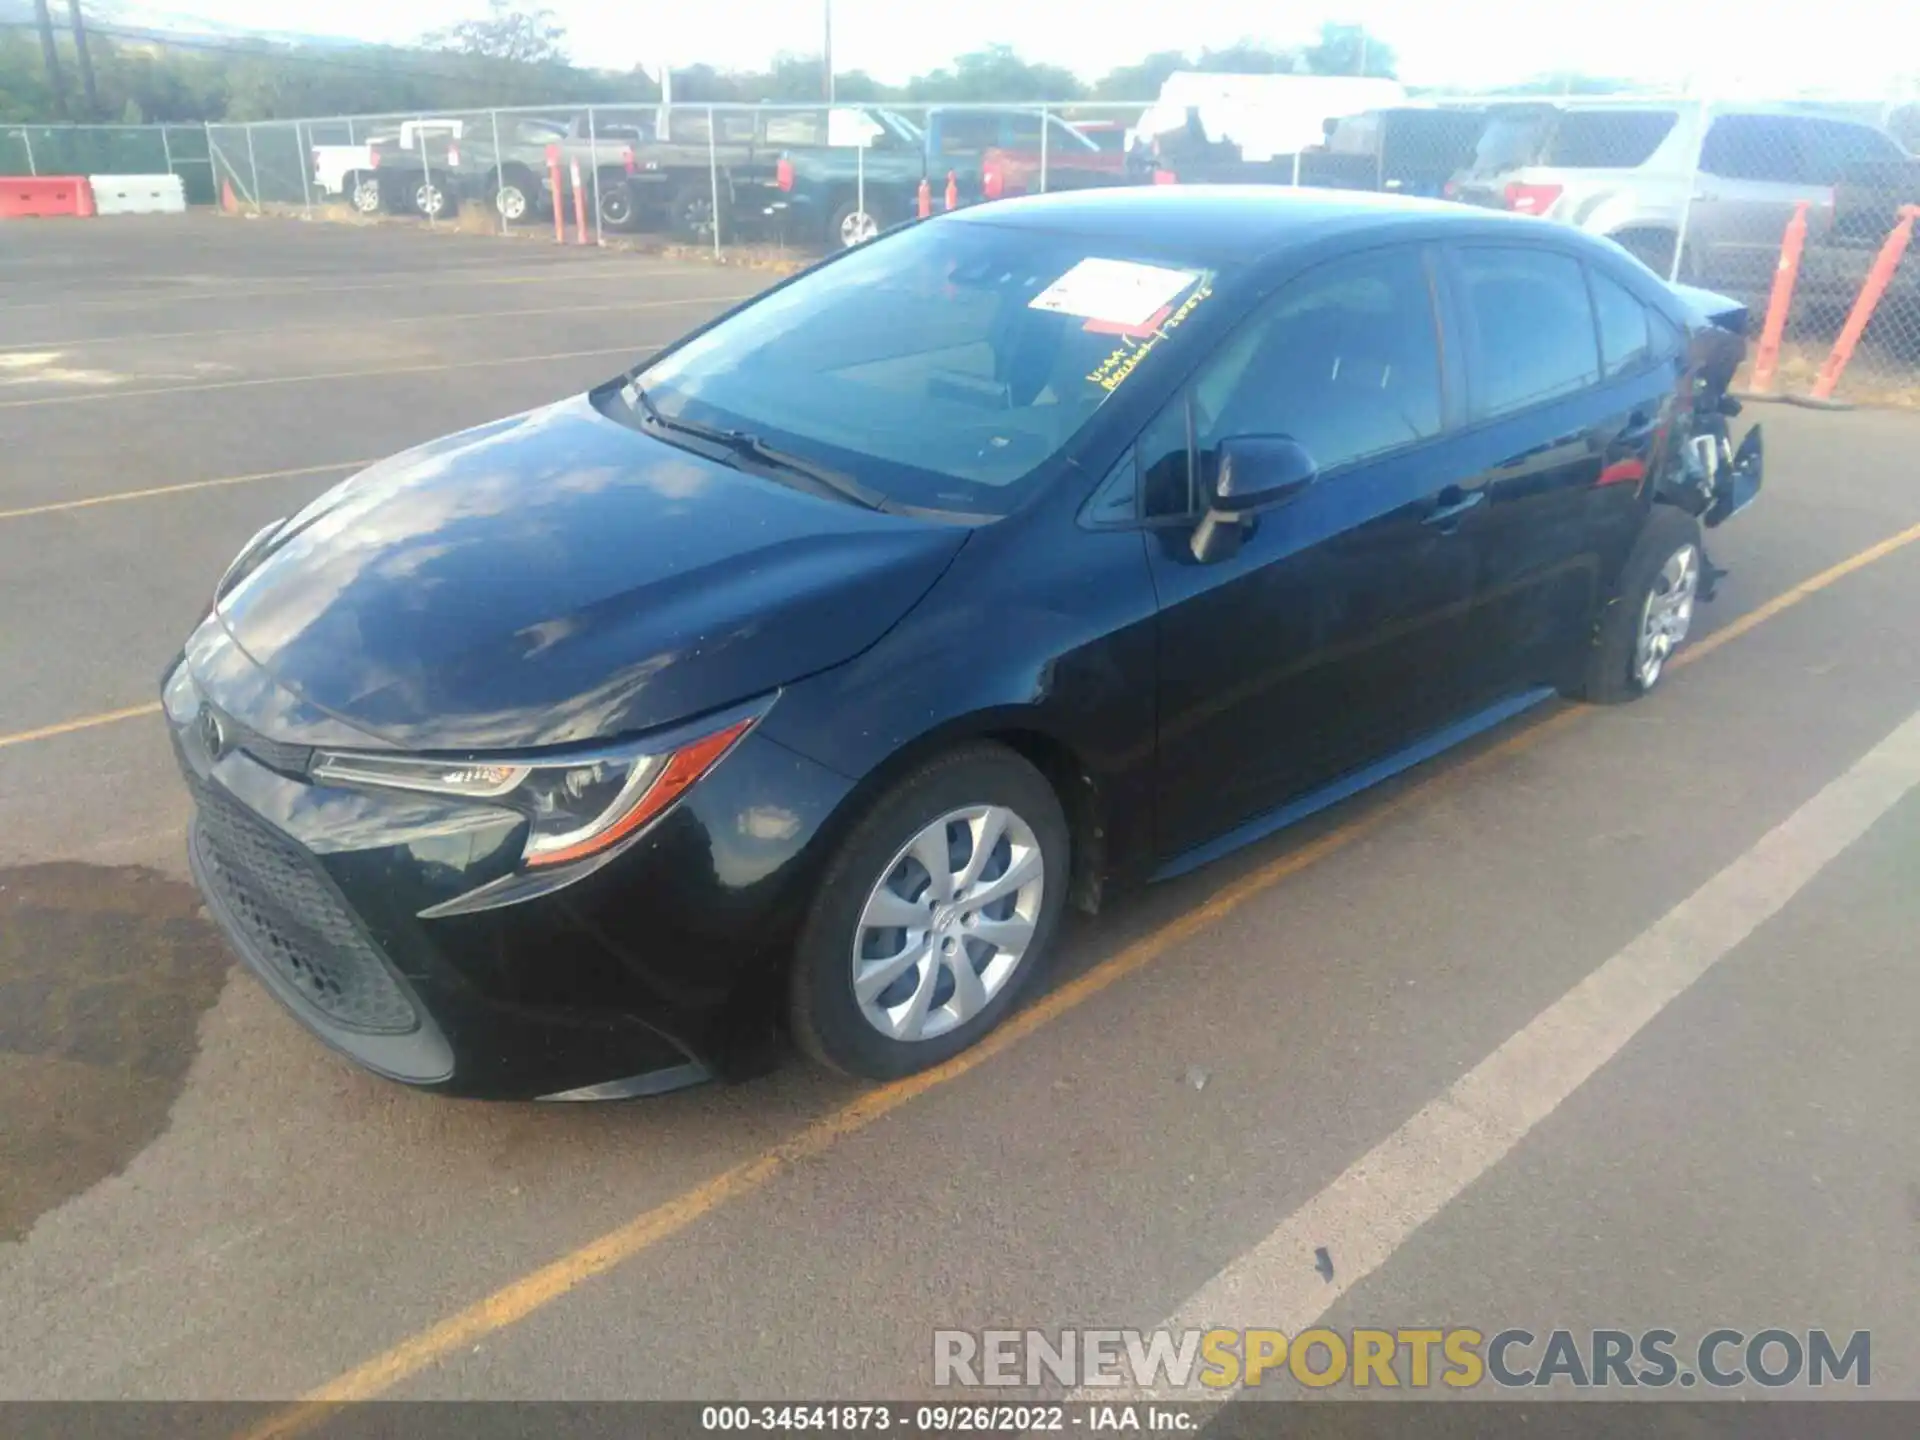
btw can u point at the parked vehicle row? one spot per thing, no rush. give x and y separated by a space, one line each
1638 172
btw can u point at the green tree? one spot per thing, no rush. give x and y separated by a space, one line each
1348 50
1142 81
528 37
1247 57
996 73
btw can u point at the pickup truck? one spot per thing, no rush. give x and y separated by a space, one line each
432 171
843 188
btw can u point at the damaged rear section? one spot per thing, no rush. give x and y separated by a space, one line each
1716 480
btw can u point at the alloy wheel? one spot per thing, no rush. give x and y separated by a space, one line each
1667 615
366 196
511 201
948 923
857 228
430 200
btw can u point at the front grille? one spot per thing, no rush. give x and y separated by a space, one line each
274 754
291 919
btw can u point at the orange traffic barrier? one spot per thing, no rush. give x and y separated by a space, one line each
579 207
953 191
926 198
229 202
1884 264
1792 244
1165 177
22 196
553 177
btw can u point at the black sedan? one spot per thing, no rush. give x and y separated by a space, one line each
799 679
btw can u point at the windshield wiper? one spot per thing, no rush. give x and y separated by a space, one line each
750 446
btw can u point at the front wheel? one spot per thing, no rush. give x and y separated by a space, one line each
937 912
1651 611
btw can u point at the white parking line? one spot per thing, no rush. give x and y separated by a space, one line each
1374 1207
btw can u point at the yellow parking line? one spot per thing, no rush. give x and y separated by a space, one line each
610 307
55 506
520 1298
85 722
637 350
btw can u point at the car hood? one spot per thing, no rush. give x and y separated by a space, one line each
560 577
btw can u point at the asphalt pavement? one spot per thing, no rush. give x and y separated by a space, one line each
1602 1023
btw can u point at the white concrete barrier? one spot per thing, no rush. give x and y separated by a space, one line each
138 194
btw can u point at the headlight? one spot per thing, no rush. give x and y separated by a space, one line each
578 806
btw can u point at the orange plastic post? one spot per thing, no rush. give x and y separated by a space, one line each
953 191
926 198
579 207
559 214
1884 264
228 202
1792 244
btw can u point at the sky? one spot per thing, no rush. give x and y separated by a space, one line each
1857 47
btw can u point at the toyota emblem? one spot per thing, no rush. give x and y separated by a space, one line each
212 733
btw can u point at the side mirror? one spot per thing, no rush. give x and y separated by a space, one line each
1252 473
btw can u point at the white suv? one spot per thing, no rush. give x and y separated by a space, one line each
1627 169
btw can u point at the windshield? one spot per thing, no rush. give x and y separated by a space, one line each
942 367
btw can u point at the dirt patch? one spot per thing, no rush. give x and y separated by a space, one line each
105 972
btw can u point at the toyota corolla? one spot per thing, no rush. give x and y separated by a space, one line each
797 681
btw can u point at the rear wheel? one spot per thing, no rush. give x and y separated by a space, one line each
363 193
1651 611
514 199
616 205
853 225
937 912
432 199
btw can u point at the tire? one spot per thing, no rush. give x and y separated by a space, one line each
363 193
432 199
965 788
1665 563
844 229
616 204
690 213
514 200
1652 248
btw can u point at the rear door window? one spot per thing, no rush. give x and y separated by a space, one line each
1626 342
1751 147
1530 331
1829 147
1608 139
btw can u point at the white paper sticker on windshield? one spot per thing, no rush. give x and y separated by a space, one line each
1118 292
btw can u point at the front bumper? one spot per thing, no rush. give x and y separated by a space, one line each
656 970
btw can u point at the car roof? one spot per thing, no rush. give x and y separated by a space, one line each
1805 109
1240 223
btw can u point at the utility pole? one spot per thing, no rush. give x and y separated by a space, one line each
86 60
826 53
52 57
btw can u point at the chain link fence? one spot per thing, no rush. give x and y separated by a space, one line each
112 150
1738 196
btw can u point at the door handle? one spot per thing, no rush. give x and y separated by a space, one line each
1450 505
